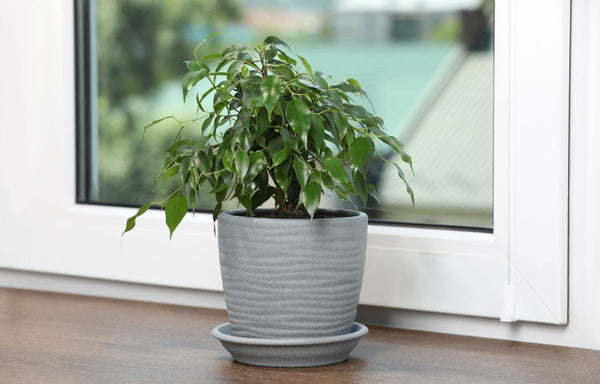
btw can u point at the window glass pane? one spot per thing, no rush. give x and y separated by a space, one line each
427 66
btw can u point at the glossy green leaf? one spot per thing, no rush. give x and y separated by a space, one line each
175 210
298 115
283 71
228 160
256 164
336 169
282 175
301 170
262 123
306 64
270 89
281 156
312 197
359 151
317 132
210 57
319 80
242 163
191 79
360 185
276 41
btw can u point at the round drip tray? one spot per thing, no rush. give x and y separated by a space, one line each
304 352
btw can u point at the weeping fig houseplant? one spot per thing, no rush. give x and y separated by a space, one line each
278 130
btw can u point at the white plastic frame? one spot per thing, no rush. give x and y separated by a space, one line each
414 268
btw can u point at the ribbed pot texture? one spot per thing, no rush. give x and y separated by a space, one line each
292 278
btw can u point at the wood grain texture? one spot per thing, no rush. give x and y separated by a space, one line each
56 338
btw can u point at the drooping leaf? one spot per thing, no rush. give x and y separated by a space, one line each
242 163
358 151
262 123
270 90
228 160
312 197
192 78
317 132
408 188
131 221
360 185
175 210
301 171
298 115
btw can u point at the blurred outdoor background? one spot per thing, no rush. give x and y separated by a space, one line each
427 65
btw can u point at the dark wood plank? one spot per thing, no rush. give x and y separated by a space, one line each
55 338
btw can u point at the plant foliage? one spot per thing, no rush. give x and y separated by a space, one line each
276 129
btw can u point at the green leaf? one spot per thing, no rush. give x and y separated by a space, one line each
284 57
172 171
408 188
319 80
276 41
205 162
228 160
207 121
306 65
175 210
204 41
242 163
317 132
262 123
156 122
256 164
373 192
192 65
407 159
211 56
358 151
336 169
191 79
216 211
361 186
312 197
282 175
281 156
131 221
298 115
394 143
283 71
301 171
270 90
288 140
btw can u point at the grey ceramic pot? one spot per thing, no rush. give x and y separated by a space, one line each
292 278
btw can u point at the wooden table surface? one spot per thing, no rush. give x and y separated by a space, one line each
56 338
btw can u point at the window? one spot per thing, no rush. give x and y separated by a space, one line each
427 67
426 269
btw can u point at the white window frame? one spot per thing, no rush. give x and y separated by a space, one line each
424 269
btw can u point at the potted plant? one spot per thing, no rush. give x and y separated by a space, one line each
279 131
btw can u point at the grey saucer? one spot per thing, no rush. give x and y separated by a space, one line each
305 352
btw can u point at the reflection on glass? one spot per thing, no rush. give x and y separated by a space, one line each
426 64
